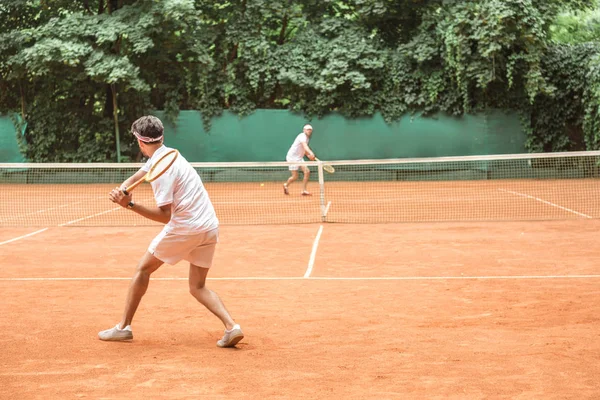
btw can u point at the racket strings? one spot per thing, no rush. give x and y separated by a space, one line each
161 165
327 167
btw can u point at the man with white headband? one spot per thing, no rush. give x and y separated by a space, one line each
296 154
191 232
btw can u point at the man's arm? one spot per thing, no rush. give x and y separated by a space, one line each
134 178
308 151
159 214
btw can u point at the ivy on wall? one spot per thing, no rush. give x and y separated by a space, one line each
79 73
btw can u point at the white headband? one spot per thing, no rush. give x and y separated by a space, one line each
147 139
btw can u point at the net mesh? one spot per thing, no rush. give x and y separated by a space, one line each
490 188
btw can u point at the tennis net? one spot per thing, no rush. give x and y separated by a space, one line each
539 186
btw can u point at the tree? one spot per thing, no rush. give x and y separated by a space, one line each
80 72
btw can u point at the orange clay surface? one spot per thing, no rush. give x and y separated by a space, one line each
349 202
446 310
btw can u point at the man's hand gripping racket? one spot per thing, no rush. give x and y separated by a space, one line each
156 171
123 197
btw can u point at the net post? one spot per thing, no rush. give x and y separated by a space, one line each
322 191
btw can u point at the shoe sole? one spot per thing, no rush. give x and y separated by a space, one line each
234 340
117 339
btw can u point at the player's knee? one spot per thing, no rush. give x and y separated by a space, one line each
148 264
144 270
141 276
195 286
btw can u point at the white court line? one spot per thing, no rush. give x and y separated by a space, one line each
313 253
36 212
396 200
265 202
545 202
327 209
321 278
250 278
89 216
22 237
49 209
66 223
443 278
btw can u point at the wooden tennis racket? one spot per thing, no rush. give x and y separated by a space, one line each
327 167
157 170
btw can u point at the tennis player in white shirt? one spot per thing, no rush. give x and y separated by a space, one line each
296 154
191 232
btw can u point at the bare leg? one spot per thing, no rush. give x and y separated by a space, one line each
207 297
291 179
138 286
306 178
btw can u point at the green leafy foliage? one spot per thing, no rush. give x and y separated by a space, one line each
63 63
591 123
557 118
576 27
333 66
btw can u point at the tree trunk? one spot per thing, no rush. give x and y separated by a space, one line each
284 25
116 118
22 101
113 5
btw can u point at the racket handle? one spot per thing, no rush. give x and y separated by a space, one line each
128 190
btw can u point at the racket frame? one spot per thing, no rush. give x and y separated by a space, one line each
326 167
145 178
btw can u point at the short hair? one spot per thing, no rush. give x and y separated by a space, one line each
149 127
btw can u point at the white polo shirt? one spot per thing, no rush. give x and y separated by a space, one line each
296 151
192 211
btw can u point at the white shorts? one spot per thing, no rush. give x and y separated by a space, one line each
294 167
197 249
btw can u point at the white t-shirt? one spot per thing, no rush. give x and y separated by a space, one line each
296 151
191 209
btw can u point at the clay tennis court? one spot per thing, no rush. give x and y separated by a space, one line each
450 307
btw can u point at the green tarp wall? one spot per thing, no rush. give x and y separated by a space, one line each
266 135
9 149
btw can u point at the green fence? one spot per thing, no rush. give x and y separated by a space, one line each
266 135
9 149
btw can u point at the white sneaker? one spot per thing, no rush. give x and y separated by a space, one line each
231 337
116 334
